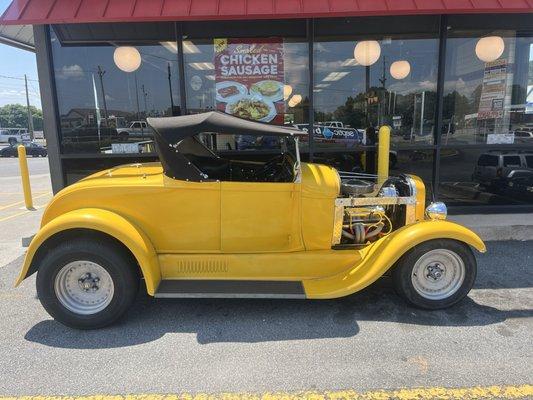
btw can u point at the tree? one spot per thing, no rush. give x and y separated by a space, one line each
16 116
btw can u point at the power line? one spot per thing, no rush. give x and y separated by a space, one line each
17 77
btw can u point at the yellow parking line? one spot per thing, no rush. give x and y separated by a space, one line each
479 392
20 193
21 213
22 201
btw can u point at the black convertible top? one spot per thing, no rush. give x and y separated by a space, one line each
170 131
174 129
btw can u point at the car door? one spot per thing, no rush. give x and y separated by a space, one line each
260 217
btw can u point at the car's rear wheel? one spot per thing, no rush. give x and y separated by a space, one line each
435 274
87 284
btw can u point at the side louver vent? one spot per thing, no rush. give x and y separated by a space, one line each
202 267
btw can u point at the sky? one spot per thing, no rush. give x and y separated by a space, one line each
15 63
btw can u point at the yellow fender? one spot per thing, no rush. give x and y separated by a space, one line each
382 255
107 222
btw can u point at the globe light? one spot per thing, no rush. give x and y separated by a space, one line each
287 91
367 52
490 48
400 69
295 100
127 58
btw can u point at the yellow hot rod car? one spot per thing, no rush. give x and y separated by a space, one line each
200 224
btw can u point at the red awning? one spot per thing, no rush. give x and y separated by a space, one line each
82 11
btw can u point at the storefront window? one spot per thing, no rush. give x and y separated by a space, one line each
488 93
108 84
365 81
487 137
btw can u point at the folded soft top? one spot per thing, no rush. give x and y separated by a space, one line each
170 131
174 129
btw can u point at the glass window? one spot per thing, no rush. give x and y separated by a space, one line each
486 160
262 78
108 85
511 161
372 79
529 161
488 91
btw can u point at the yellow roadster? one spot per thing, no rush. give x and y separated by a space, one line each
203 224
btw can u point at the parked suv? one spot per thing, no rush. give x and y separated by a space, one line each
493 166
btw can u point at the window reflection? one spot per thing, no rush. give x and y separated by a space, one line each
398 88
106 91
489 88
486 177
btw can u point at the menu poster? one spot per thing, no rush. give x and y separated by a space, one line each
249 78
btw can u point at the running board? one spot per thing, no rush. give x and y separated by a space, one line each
186 288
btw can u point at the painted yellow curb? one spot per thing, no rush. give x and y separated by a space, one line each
480 392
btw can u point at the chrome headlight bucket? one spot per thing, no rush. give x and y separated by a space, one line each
437 211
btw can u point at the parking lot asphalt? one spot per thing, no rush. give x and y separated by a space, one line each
16 221
371 340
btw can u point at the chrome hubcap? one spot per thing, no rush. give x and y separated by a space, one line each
438 274
84 287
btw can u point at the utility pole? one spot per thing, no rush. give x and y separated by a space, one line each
170 88
30 117
101 74
145 95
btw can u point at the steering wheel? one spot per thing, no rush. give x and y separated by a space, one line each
271 168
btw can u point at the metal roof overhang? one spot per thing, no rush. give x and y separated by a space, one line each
20 36
21 12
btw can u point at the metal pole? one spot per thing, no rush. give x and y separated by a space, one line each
30 117
25 175
170 88
311 116
101 73
137 97
181 69
422 113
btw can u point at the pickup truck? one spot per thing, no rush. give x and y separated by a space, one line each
135 129
13 136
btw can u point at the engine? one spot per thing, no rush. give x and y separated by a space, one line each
369 213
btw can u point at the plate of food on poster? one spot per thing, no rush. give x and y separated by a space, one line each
255 108
227 91
268 89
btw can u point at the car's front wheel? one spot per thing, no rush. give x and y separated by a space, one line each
87 284
435 274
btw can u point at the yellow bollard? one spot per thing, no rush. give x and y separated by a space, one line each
383 154
25 175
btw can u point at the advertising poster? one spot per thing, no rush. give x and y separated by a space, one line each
493 91
249 78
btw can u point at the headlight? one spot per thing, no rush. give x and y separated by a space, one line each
437 211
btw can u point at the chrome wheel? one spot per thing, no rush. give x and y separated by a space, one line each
84 287
438 274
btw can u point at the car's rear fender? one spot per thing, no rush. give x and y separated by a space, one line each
383 254
108 223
